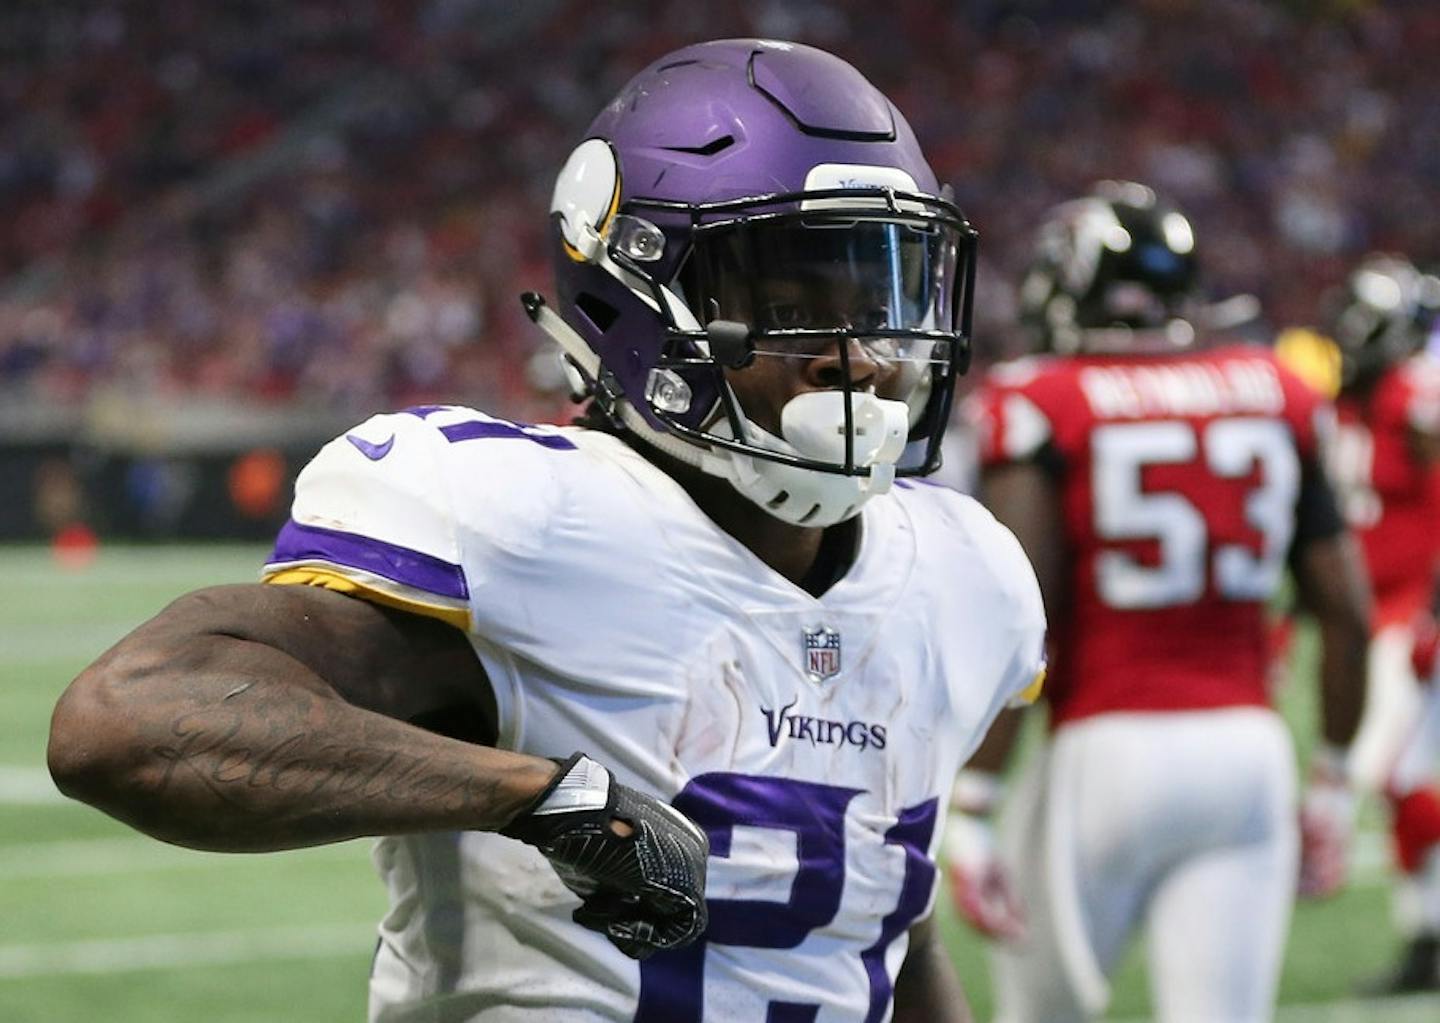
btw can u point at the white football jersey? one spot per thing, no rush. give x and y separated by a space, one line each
813 738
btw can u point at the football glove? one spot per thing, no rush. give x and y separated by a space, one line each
638 864
980 886
1327 822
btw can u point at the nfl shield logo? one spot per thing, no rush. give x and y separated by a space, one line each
822 653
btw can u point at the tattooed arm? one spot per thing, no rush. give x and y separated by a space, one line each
268 717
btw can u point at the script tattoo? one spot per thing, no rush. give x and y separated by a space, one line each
224 750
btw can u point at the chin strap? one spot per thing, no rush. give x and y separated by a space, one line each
680 450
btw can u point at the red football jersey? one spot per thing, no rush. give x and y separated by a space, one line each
1179 478
1389 495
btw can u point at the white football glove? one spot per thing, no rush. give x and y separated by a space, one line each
979 883
1327 824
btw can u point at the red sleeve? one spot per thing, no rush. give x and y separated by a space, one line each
1308 413
1011 424
1312 418
1421 395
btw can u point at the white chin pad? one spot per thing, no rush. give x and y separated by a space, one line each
814 425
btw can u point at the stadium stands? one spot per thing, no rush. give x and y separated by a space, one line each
332 202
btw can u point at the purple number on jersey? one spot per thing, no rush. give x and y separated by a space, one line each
912 832
672 983
479 429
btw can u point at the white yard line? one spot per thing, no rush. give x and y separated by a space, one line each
31 786
226 948
43 643
168 951
36 567
100 856
28 786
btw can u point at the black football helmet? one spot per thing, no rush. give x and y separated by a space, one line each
1113 271
1383 314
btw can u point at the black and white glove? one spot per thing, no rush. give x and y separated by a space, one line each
637 863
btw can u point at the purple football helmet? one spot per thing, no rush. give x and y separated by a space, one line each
743 199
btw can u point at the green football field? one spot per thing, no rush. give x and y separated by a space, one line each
99 923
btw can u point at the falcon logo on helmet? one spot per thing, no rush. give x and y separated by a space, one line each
791 216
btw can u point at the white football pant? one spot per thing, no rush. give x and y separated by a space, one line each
1397 750
1185 822
1395 746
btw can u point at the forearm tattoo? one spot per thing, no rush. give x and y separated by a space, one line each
316 763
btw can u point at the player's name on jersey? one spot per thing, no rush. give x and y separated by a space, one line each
1183 389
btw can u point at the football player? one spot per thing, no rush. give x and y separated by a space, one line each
729 589
1162 481
1386 466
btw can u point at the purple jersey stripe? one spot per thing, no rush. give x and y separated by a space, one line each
478 428
399 564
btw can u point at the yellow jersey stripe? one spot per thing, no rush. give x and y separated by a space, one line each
1031 693
331 580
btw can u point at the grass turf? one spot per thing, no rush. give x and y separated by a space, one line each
102 923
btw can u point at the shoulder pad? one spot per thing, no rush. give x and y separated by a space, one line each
392 507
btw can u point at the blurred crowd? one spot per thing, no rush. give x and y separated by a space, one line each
338 201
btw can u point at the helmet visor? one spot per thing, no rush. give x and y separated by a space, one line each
822 273
876 290
877 297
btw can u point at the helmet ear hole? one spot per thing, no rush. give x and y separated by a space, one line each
601 314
